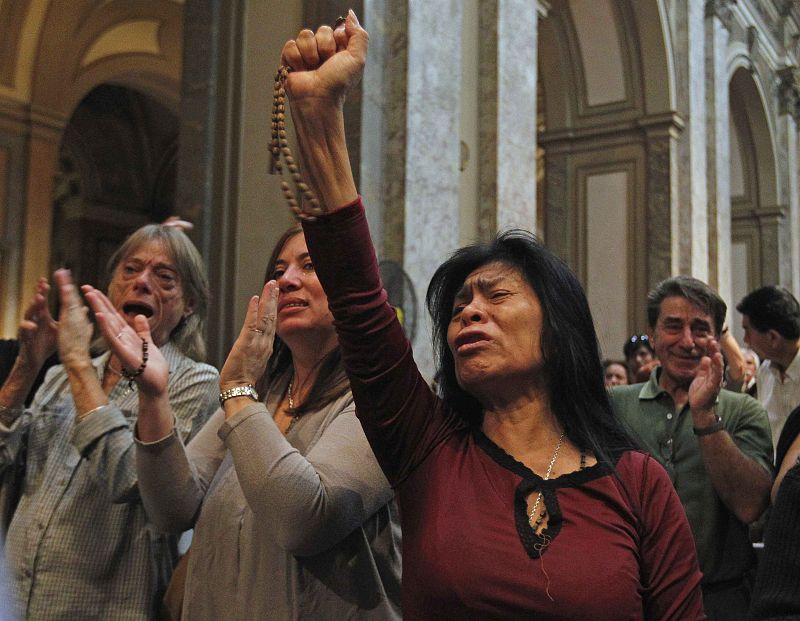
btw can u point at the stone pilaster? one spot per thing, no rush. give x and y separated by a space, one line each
383 135
662 210
432 164
789 109
13 164
718 153
206 189
507 113
560 221
692 221
772 223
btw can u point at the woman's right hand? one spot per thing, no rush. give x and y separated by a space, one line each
38 331
250 353
327 64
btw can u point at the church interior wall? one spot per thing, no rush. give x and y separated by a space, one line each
626 134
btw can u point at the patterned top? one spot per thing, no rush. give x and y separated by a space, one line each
80 545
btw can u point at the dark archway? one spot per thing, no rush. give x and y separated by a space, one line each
116 172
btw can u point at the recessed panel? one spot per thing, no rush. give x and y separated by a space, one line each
601 52
607 257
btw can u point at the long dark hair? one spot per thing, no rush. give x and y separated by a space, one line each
331 381
574 373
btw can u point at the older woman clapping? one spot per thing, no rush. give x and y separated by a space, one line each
80 544
520 494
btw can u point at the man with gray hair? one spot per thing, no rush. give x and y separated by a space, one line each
715 444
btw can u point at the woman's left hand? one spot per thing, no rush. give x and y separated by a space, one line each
74 328
250 353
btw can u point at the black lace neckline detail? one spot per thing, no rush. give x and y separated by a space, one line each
536 544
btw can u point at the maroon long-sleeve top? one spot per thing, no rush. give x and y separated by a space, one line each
620 546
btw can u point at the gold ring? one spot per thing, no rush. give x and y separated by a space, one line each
256 330
119 336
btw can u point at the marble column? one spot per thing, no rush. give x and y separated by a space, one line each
691 227
383 125
507 114
206 190
717 28
432 162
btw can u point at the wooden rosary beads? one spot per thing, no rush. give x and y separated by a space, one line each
309 208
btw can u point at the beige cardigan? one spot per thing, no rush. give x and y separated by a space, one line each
295 527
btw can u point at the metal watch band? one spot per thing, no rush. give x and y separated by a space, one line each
238 391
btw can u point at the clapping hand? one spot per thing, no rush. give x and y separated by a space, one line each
74 328
705 387
126 343
38 331
250 353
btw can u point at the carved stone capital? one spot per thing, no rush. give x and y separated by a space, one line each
789 90
721 9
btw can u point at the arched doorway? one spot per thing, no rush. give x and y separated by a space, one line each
116 171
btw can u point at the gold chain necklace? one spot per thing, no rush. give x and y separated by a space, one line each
533 520
309 209
294 416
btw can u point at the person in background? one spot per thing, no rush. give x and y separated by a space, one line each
771 322
292 516
80 543
714 444
521 496
615 373
640 357
751 364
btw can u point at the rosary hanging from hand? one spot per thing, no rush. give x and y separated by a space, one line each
309 208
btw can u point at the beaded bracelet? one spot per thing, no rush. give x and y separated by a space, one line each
132 375
279 146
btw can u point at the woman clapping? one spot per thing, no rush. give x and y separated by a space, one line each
292 515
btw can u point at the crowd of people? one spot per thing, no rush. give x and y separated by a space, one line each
323 478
